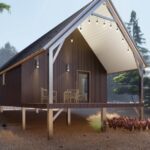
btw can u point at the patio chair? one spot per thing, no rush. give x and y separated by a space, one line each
44 96
72 95
67 96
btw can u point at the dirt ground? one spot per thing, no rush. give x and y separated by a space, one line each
78 136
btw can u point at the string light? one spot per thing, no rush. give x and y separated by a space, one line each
104 3
80 28
97 21
128 50
110 25
104 23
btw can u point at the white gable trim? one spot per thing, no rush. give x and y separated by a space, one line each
74 24
125 33
87 12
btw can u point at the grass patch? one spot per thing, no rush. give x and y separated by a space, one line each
95 121
96 124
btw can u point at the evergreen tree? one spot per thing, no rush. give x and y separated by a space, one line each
128 82
6 53
4 6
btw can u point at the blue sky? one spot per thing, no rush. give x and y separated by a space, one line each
30 19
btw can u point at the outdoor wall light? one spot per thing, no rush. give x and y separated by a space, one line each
37 63
67 68
71 40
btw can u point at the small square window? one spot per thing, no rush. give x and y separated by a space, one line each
3 79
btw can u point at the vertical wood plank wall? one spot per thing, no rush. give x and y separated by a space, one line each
24 83
33 79
80 57
10 93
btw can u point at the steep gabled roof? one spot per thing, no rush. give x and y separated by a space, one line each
41 42
113 55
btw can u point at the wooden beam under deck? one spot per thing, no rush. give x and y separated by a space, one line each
85 105
95 105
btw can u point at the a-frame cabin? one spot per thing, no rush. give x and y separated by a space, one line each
68 66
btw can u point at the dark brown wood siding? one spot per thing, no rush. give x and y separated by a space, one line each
80 57
10 93
34 79
23 84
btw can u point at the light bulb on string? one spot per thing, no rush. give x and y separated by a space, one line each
97 21
89 21
128 50
80 28
110 25
104 23
104 3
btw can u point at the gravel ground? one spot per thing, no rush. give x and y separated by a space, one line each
78 136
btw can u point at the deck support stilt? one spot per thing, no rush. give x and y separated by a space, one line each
23 118
141 113
69 116
50 93
103 118
37 110
50 123
141 99
1 109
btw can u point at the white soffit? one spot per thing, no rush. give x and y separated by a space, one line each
107 42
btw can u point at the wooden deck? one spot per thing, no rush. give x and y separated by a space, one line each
85 105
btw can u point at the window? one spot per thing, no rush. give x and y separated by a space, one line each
3 79
83 85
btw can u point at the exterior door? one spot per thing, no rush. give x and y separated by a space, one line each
83 85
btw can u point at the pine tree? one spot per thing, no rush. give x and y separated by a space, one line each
128 82
6 53
4 6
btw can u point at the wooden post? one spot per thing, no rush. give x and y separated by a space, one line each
141 112
69 116
23 118
141 99
133 46
51 59
50 123
103 118
50 92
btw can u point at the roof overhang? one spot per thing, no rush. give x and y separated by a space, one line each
112 44
115 54
108 38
